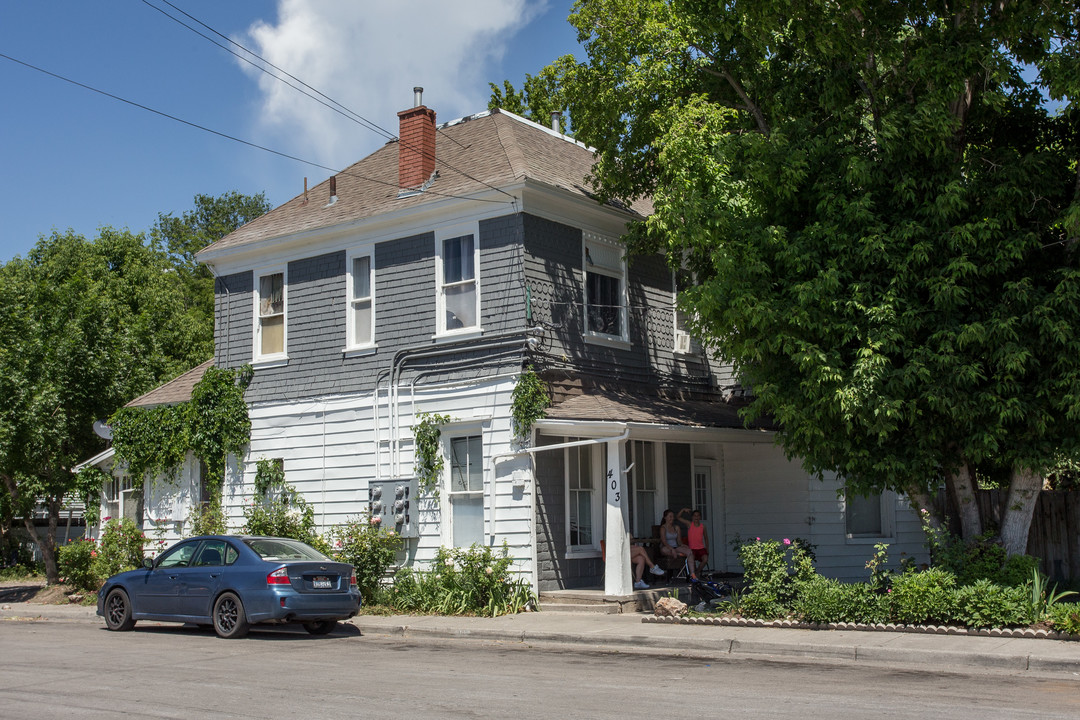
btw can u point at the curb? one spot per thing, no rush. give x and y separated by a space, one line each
1026 633
706 648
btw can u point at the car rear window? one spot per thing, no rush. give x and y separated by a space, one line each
274 550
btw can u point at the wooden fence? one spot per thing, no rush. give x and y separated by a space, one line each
1055 529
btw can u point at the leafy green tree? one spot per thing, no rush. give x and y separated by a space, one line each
88 325
540 94
882 208
211 219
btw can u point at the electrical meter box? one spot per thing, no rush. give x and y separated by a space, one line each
393 502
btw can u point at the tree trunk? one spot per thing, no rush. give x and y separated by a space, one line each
962 488
1024 487
48 546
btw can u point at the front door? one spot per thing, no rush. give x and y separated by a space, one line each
706 499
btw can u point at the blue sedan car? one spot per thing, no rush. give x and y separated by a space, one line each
232 582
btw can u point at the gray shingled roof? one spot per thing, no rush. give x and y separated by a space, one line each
177 390
489 149
638 407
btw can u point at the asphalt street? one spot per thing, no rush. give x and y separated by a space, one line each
54 669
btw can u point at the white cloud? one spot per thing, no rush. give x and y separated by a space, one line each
368 56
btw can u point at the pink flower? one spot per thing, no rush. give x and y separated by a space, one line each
93 553
758 539
786 541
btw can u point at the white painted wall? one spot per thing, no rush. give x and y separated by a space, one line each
768 496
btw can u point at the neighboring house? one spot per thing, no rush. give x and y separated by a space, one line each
424 279
160 506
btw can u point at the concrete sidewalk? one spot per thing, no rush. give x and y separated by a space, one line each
627 633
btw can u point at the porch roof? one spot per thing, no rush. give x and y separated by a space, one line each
177 390
631 407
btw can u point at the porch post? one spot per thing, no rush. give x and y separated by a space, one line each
617 580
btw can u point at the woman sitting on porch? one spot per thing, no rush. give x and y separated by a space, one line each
671 542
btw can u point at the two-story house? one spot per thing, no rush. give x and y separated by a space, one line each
423 280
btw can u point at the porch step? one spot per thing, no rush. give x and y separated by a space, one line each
564 607
588 601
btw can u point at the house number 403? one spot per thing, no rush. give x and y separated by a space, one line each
614 485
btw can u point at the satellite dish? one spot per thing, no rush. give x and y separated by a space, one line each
102 430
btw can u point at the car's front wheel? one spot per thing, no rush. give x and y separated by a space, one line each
230 621
320 627
118 611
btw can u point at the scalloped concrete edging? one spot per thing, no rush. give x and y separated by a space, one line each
1029 633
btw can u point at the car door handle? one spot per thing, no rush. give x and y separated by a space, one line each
214 575
173 577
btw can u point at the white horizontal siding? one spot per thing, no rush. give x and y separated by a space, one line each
768 496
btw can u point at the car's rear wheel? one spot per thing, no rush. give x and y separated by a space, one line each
118 611
320 627
230 621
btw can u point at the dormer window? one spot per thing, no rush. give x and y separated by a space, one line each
605 290
457 259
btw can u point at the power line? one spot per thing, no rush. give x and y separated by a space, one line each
343 111
234 138
351 114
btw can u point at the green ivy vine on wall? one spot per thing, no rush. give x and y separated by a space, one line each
213 424
529 401
428 452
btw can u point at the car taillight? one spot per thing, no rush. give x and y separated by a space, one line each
278 577
352 580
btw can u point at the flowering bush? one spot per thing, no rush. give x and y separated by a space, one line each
86 563
771 569
120 548
370 549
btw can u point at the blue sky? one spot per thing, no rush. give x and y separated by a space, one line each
70 158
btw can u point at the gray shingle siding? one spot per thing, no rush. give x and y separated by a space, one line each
232 313
554 571
404 316
553 271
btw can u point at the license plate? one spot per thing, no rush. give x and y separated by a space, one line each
321 583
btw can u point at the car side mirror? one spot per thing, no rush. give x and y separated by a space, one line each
148 563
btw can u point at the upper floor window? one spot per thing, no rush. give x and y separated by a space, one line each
605 289
685 342
458 302
270 316
360 325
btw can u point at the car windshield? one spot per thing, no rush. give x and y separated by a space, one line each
276 549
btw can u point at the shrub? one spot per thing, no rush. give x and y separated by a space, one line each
923 597
984 604
1016 571
771 575
1066 617
462 581
370 549
76 562
824 600
120 548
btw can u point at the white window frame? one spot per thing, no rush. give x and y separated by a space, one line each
639 471
591 266
596 466
692 344
354 345
887 498
456 432
258 357
441 235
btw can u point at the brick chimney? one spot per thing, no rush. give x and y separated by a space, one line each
416 144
